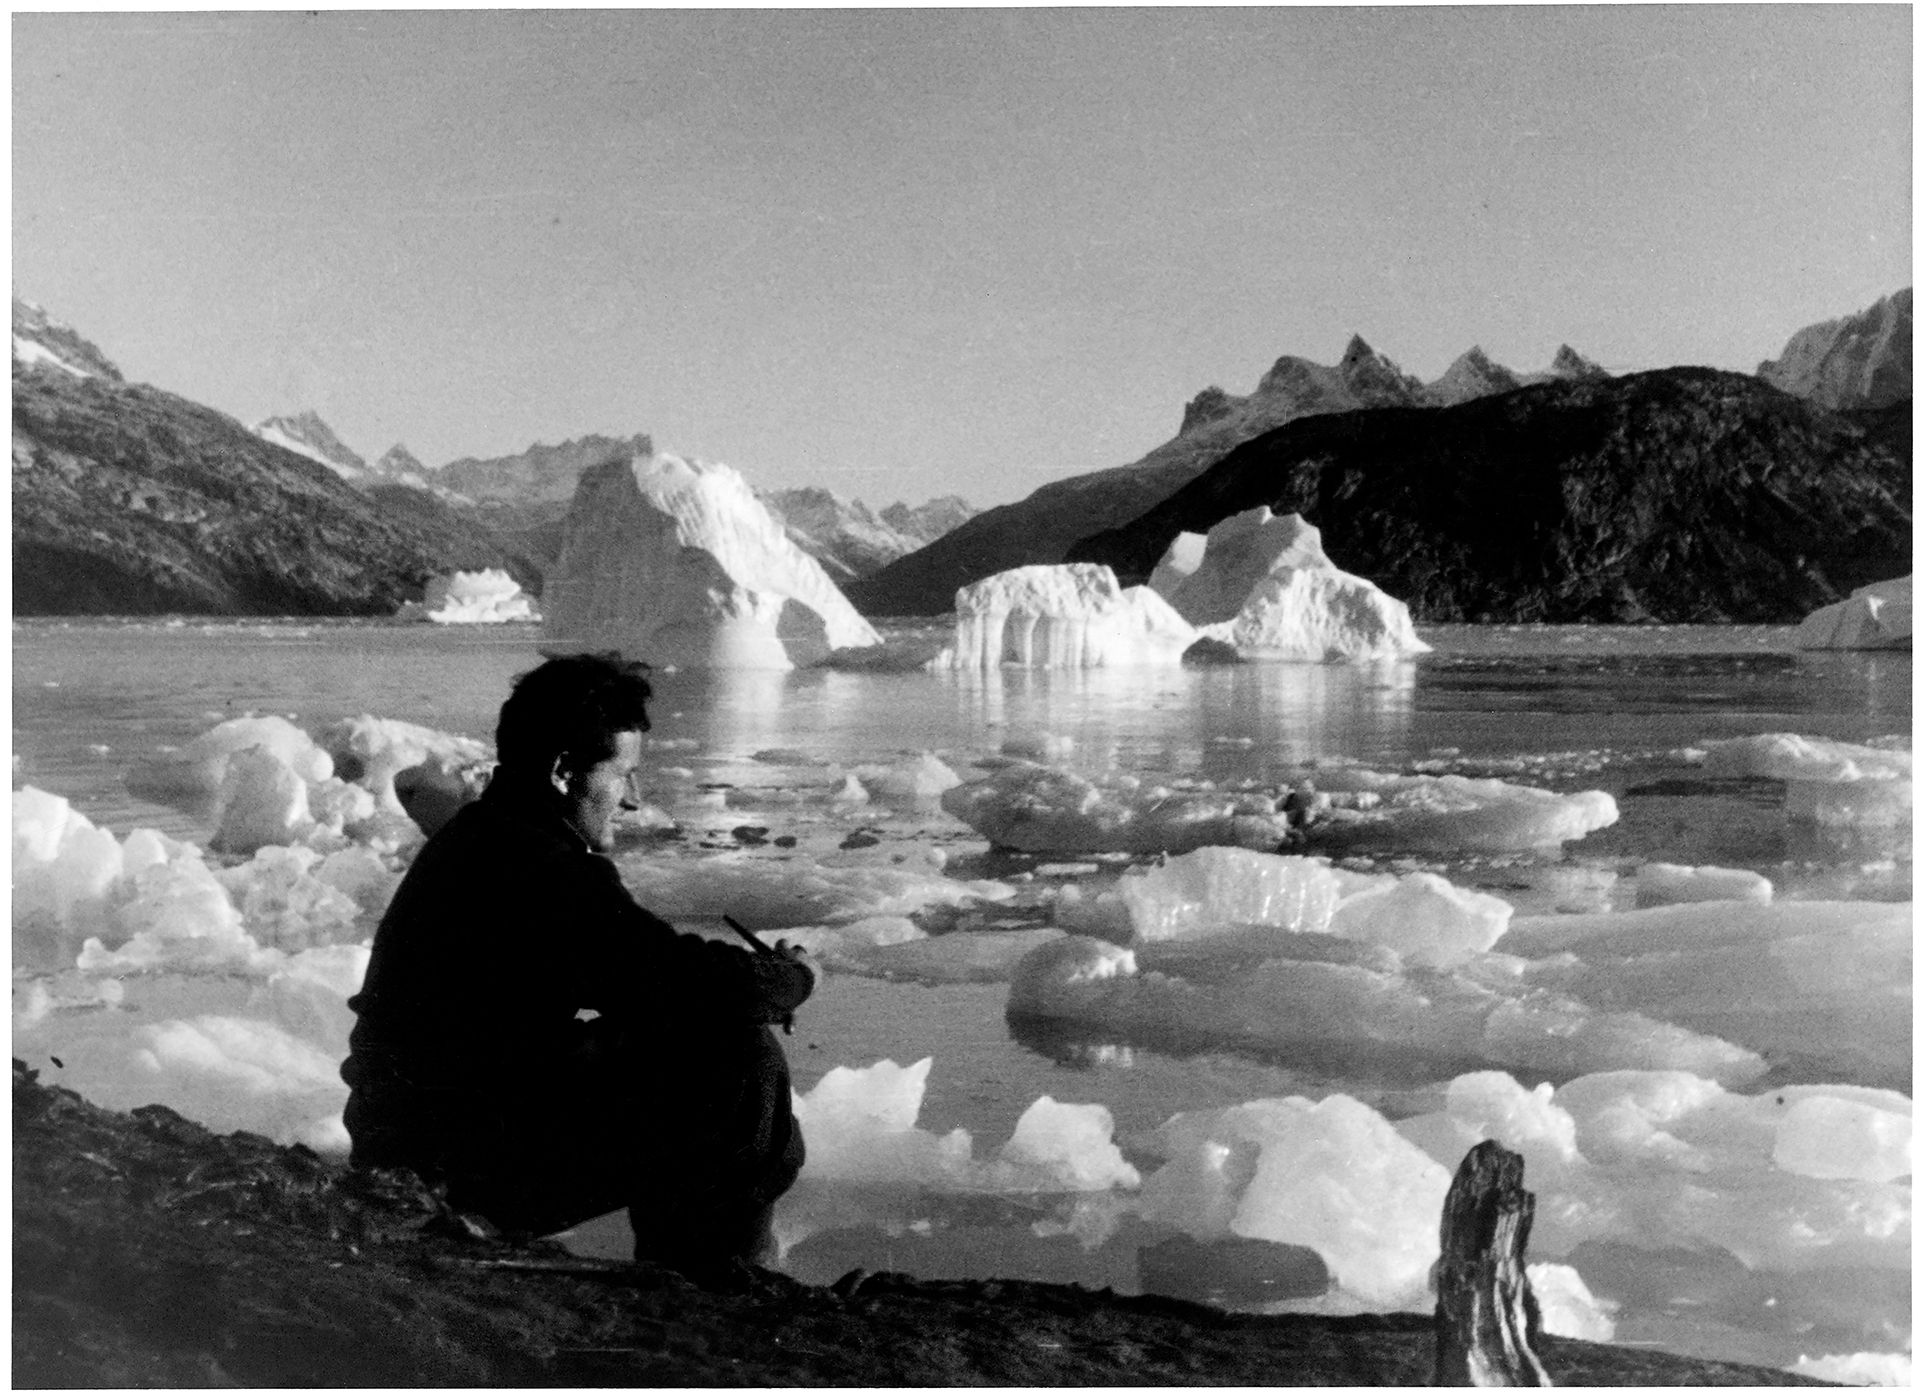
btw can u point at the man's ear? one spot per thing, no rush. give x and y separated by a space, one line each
560 776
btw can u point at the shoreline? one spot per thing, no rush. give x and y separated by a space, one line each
151 1252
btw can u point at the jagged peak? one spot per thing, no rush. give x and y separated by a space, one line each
1208 404
1569 363
1357 350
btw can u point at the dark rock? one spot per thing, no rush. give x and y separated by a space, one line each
1678 495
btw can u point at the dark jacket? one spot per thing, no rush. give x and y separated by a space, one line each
504 929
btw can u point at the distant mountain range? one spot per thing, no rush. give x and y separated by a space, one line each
1041 528
128 499
1862 361
1560 495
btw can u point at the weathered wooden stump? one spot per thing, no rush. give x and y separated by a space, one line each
1487 1319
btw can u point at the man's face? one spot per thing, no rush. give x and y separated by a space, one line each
595 796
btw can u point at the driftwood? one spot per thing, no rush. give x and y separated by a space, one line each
1487 1319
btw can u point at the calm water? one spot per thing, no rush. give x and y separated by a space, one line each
1562 707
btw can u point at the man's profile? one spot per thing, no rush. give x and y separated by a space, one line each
471 1061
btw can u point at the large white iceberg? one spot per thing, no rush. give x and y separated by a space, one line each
677 563
1262 583
1878 616
1067 616
457 598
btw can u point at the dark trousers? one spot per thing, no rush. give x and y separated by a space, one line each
696 1142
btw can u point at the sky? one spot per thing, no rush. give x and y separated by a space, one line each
904 253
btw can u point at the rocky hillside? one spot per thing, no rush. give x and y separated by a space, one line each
130 500
1675 495
1858 361
1040 528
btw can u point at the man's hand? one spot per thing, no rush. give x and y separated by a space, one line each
783 981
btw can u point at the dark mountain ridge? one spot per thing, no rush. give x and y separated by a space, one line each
1674 495
131 500
1041 528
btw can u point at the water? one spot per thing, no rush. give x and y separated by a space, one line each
1569 708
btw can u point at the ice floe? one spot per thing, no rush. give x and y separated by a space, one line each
484 597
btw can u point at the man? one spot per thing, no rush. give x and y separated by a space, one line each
471 1061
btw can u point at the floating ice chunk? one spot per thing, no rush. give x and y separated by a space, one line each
63 869
461 598
1660 884
177 916
1832 1138
1047 809
914 781
1878 616
285 904
1831 983
1216 888
192 777
950 959
1068 1145
1322 991
375 753
1333 1176
1069 616
1451 814
677 563
262 801
1828 782
1424 918
796 892
1866 1369
860 1125
1567 1307
1104 914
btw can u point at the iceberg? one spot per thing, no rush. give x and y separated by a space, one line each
1262 583
677 563
485 597
1878 616
1065 616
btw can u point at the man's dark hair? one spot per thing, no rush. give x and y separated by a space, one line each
571 707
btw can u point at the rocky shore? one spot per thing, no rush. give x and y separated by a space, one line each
150 1252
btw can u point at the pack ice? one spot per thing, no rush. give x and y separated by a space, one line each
1263 584
1878 616
1031 806
1233 947
677 563
1843 786
476 598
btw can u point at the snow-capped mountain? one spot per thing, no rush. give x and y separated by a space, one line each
848 537
40 342
308 434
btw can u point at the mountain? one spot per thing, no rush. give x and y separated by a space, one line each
1040 528
539 476
848 538
1677 495
401 467
131 500
307 434
1863 360
40 341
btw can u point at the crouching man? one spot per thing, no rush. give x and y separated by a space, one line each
470 1062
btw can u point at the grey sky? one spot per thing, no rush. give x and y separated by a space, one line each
902 253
